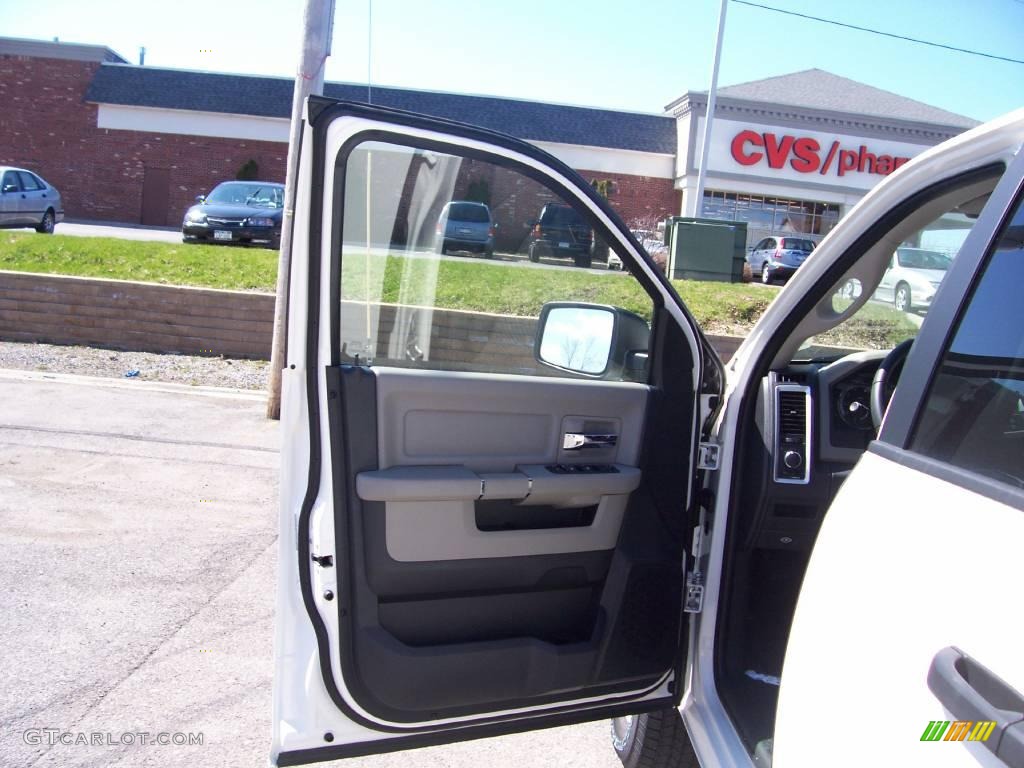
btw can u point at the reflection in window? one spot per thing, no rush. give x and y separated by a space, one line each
974 412
446 262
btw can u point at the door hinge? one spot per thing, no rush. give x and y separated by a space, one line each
693 602
707 456
693 599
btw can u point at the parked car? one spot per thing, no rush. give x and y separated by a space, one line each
735 561
777 258
237 213
465 226
913 277
26 200
654 246
561 232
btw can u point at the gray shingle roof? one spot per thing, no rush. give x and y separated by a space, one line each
821 90
48 49
272 97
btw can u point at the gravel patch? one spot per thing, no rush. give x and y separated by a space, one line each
180 369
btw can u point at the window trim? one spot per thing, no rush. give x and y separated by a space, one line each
947 307
951 473
567 194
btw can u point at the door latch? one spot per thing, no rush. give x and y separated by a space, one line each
707 456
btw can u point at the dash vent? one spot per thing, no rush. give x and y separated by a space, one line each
792 434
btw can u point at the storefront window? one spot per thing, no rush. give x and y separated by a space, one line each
769 215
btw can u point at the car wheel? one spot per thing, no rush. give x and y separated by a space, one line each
443 248
489 253
901 299
46 225
766 275
534 253
655 740
583 260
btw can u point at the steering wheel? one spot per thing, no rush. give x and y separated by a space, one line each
884 383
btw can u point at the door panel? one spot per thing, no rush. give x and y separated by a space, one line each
491 423
459 569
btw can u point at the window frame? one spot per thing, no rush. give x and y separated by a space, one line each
936 335
568 196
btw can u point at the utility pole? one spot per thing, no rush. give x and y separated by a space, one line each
710 116
317 29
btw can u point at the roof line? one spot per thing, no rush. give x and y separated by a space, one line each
406 89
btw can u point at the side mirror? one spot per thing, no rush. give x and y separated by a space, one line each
10 188
200 199
593 340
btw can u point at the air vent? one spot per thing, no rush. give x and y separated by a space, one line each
792 412
792 457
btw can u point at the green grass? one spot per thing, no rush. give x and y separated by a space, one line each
470 284
209 266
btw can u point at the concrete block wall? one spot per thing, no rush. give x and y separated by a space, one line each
143 317
148 317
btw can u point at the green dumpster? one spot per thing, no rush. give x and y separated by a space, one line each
706 249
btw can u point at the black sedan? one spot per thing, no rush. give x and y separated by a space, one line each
237 212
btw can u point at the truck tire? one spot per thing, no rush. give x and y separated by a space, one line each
654 740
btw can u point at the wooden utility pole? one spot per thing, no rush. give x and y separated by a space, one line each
317 28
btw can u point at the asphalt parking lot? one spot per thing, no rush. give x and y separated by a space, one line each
137 522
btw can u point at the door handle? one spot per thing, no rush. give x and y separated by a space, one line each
975 695
577 441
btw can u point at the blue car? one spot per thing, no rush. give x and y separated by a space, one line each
778 258
464 226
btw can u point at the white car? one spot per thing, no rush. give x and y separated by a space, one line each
913 277
792 560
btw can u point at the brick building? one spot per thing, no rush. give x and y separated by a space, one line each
136 144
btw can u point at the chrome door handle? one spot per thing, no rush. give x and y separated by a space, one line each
576 441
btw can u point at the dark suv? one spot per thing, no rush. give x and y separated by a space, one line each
561 232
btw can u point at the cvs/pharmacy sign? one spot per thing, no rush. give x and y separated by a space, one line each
806 154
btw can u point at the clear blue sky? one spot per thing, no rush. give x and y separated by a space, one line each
635 55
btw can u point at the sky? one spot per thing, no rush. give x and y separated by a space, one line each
637 55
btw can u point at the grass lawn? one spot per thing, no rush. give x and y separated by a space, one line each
209 266
470 284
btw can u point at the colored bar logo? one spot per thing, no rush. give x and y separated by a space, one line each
958 730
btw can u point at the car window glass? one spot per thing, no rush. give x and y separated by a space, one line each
797 244
477 214
421 289
973 415
28 182
258 195
11 179
902 296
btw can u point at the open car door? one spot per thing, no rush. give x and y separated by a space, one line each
488 465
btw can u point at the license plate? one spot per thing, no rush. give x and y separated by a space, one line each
221 234
563 245
465 231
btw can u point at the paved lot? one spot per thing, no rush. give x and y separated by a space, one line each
136 522
123 231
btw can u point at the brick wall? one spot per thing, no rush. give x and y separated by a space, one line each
147 317
639 197
46 126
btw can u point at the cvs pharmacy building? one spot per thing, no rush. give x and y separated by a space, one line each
793 154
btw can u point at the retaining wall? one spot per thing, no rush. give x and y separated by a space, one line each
148 317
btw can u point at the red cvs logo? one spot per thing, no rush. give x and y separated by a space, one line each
803 155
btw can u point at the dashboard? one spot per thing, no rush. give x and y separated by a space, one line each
814 422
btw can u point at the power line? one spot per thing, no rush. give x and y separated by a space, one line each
879 32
